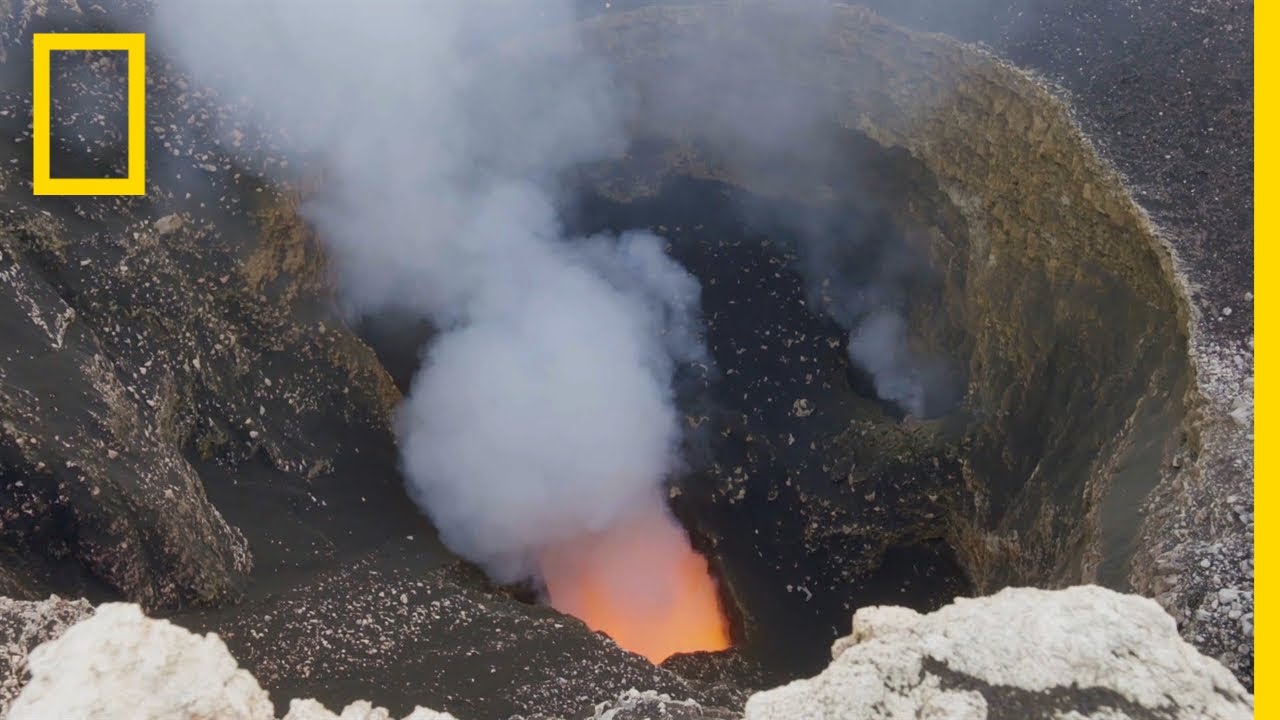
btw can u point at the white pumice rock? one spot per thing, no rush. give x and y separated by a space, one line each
23 626
1019 653
121 664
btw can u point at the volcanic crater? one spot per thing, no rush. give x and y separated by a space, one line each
847 172
912 174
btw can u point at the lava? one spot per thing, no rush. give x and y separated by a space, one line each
642 584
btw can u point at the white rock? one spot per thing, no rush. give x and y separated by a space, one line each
169 224
1080 640
313 710
647 704
24 625
120 664
359 710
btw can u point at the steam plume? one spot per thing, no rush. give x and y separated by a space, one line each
543 410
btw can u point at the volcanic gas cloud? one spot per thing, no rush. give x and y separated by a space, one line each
541 425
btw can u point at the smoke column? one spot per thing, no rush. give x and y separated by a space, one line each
543 411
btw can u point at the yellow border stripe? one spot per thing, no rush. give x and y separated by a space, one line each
135 45
1265 311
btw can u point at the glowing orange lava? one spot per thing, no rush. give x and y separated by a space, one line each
640 583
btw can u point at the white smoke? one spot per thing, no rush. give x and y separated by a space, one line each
879 344
544 409
552 416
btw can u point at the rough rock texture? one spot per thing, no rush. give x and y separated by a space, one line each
23 626
167 355
1021 653
728 676
119 664
649 705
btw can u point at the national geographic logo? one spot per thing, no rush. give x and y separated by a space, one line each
135 181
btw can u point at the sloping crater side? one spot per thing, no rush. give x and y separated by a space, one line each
1057 299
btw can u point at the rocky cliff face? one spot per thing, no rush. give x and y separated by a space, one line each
159 347
1022 653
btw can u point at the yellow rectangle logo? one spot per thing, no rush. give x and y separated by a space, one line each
135 45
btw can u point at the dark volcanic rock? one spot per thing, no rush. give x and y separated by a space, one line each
382 627
729 676
166 351
90 453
